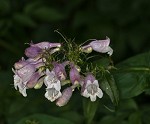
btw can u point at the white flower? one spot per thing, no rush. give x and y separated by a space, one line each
53 86
92 90
51 80
18 83
52 94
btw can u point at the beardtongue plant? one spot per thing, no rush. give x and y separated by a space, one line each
63 68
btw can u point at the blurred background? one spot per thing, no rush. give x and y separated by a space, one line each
125 22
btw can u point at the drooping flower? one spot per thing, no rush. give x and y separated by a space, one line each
20 85
74 75
52 93
101 46
33 80
25 74
64 99
59 70
53 86
91 88
52 80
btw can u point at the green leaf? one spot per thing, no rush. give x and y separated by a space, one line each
89 110
109 86
133 75
47 14
24 20
43 119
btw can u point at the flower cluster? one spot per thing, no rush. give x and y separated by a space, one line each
50 64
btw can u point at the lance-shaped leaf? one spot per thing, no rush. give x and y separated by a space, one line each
109 86
133 75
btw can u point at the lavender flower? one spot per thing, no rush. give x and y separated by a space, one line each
59 70
37 49
101 46
45 45
91 88
66 95
74 75
33 80
32 51
25 74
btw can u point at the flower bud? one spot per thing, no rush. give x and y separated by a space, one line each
54 50
74 75
39 83
34 79
66 95
86 49
59 70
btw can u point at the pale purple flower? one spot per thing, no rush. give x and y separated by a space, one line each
45 45
59 70
25 74
91 88
64 99
37 49
101 46
74 75
33 80
32 51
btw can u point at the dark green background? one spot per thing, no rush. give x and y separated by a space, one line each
125 22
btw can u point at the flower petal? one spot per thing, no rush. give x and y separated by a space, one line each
96 83
93 98
85 93
99 93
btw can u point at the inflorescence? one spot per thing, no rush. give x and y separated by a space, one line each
60 66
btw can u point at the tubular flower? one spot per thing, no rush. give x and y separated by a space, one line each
37 49
101 46
51 80
52 93
53 86
25 74
74 75
64 99
32 51
45 45
59 70
91 88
